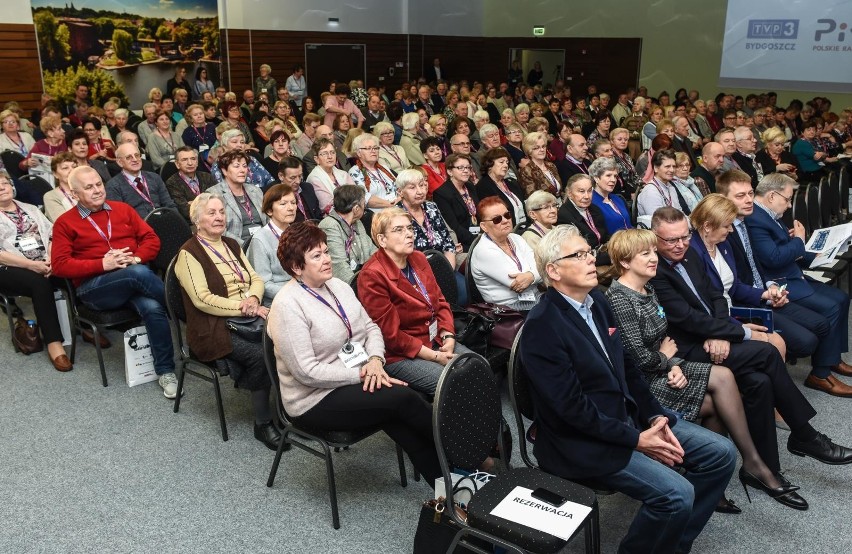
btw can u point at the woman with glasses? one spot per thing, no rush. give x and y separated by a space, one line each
579 211
373 177
502 264
603 122
243 201
693 389
232 114
391 155
430 230
199 134
660 190
687 190
514 143
100 147
543 208
162 142
540 173
616 214
233 140
457 199
400 293
326 177
283 112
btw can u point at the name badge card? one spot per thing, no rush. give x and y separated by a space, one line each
433 330
528 295
353 355
28 243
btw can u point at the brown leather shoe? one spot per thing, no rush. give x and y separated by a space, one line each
830 385
842 369
62 363
89 337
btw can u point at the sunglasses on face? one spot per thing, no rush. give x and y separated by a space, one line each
497 219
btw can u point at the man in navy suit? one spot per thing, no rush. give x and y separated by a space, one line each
780 252
598 422
806 331
700 324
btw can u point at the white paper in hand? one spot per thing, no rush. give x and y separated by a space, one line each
519 506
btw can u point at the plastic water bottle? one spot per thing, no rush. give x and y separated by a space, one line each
31 323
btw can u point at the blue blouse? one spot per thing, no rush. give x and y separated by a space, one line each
614 220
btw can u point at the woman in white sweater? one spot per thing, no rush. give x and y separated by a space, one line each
335 379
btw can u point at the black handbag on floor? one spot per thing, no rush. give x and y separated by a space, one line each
435 529
249 328
473 330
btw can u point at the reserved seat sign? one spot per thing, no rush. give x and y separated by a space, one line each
520 507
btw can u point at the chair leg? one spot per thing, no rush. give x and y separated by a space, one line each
400 458
7 305
593 533
332 486
271 480
180 387
218 390
97 334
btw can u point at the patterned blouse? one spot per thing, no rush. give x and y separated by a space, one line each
434 233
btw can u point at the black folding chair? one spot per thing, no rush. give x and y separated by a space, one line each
472 292
189 363
37 187
9 306
169 168
326 440
444 275
522 407
799 212
11 161
834 195
98 321
812 202
825 200
843 184
466 420
173 231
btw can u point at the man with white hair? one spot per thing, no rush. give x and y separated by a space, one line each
681 142
103 247
149 125
144 191
745 154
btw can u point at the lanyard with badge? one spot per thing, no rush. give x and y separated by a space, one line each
231 262
433 320
352 353
25 244
106 236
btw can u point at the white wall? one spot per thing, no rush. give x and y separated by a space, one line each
16 11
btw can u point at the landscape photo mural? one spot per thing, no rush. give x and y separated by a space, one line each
123 48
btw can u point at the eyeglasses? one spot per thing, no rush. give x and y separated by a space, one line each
551 206
789 200
370 148
401 230
327 153
672 242
461 144
461 167
497 219
386 134
132 157
579 256
684 166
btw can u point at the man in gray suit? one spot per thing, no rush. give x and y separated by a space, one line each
144 191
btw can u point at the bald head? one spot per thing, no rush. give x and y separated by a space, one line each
712 156
324 131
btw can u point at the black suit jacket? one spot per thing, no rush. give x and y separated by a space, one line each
370 120
487 187
568 214
309 199
685 145
747 165
706 176
590 404
568 169
455 213
744 271
689 323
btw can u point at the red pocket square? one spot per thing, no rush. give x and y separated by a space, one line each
612 331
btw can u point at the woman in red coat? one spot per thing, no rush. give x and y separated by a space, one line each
399 292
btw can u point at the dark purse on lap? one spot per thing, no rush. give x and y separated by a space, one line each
248 328
27 338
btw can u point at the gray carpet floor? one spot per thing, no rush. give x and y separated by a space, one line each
85 468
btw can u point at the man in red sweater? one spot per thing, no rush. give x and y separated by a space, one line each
103 248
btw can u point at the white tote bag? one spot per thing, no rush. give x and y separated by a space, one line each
64 319
138 359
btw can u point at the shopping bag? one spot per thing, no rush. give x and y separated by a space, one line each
138 359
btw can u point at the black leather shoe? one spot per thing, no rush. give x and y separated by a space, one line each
727 506
268 435
820 448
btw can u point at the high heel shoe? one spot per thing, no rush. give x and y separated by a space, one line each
785 494
727 506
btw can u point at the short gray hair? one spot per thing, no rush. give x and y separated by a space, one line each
522 107
550 248
407 177
197 206
359 141
774 182
381 127
410 121
538 199
480 115
229 134
601 166
487 129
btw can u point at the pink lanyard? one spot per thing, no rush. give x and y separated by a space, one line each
513 255
20 225
67 196
274 232
245 203
142 188
341 313
421 287
230 262
108 236
392 153
194 187
667 198
427 226
592 224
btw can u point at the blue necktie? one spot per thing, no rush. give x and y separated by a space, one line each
743 233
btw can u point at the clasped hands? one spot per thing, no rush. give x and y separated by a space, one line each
373 376
250 307
521 281
659 443
118 258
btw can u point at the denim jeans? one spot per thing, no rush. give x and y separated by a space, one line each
675 507
138 286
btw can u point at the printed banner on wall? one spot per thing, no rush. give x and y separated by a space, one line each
125 53
788 45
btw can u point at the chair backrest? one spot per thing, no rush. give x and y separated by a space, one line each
634 207
272 371
444 275
466 414
173 231
520 397
472 292
812 202
799 212
825 200
169 168
38 187
843 180
834 192
11 161
354 282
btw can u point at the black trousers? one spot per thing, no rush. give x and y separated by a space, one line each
399 411
23 282
764 384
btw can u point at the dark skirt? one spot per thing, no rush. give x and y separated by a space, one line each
245 365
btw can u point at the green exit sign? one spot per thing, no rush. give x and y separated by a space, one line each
538 31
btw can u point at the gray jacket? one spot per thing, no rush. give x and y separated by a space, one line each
234 213
263 257
119 188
